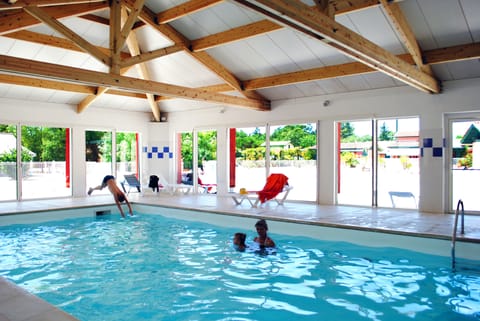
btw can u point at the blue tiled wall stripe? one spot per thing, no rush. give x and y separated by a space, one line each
160 153
428 144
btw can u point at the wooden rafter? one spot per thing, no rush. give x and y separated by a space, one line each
240 33
142 69
128 25
13 20
146 56
297 15
337 7
405 32
435 56
88 77
41 15
18 4
185 9
208 61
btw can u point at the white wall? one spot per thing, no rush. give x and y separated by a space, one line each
459 96
45 114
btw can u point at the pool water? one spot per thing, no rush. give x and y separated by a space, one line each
154 268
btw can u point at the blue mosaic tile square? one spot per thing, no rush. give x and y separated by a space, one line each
145 149
166 149
160 155
170 155
437 151
155 149
149 155
421 151
428 142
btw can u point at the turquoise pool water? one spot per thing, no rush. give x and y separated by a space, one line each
154 268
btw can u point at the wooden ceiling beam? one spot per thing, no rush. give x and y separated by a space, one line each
240 33
337 7
406 34
134 48
150 55
185 9
204 58
18 4
435 56
128 25
298 16
93 78
149 17
46 84
56 25
53 41
19 19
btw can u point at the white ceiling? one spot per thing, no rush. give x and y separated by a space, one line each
435 24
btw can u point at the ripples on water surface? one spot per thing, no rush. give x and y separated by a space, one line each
152 268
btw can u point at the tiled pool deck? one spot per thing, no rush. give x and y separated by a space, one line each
18 305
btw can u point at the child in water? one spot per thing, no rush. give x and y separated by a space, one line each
239 241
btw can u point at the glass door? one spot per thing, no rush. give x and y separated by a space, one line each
98 156
207 161
8 162
247 158
354 163
293 152
465 163
398 168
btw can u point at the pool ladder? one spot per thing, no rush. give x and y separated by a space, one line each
460 210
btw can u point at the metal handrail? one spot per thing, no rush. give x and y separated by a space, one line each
462 230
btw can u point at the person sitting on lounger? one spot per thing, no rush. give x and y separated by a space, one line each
262 239
118 195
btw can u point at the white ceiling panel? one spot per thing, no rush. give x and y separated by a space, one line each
446 21
464 69
471 9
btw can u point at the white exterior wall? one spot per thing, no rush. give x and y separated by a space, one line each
457 97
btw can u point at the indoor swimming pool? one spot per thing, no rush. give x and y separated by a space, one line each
160 267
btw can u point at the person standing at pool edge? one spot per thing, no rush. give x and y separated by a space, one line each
262 239
118 195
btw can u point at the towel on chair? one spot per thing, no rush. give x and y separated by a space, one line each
274 185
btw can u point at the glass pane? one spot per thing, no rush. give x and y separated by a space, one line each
398 163
207 161
293 152
465 170
250 167
354 163
8 162
44 168
98 156
185 159
127 155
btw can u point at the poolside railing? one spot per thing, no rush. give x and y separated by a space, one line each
460 210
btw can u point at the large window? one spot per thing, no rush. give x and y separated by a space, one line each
127 154
45 168
289 149
293 152
248 157
207 161
464 166
98 156
44 159
378 163
8 162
